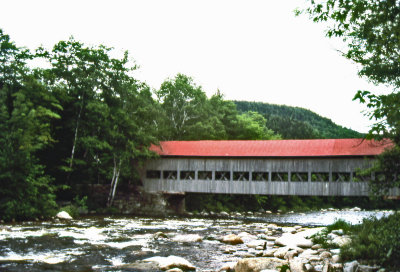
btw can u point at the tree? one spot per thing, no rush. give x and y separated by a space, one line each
26 109
252 126
107 121
371 30
183 104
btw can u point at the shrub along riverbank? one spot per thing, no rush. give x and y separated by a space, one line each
373 242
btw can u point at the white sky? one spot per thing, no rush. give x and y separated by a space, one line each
254 50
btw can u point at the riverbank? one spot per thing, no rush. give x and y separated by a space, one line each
125 243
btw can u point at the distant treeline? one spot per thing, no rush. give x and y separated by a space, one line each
297 123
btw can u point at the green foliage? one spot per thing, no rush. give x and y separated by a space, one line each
187 114
25 115
371 31
322 237
284 268
296 123
77 206
376 242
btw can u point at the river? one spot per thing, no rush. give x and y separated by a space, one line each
109 243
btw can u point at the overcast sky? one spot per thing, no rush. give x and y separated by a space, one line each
250 50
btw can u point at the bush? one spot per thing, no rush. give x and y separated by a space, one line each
376 241
77 207
322 237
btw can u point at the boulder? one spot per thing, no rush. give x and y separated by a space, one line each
299 239
291 254
5 228
160 235
288 239
296 265
281 252
230 266
316 247
325 255
224 214
256 243
309 267
341 240
259 264
232 239
175 270
188 238
270 253
351 266
337 267
335 259
247 237
289 230
63 215
271 238
166 263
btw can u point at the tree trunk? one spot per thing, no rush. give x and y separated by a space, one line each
114 182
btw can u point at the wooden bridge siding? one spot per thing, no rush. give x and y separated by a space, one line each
259 188
286 165
259 165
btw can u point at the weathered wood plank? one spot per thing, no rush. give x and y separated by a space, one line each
310 166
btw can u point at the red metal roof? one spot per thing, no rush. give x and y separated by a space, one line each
272 148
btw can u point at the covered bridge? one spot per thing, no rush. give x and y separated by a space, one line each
325 167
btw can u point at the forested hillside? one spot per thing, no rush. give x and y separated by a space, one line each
297 123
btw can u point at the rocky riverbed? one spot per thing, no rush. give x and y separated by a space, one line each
248 242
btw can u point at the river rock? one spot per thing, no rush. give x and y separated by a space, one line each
341 240
159 235
271 238
325 255
314 258
188 238
288 239
259 264
63 215
166 263
270 252
232 239
351 266
335 259
316 247
175 270
229 250
367 268
338 232
230 266
247 237
5 228
140 266
289 230
224 214
281 252
256 243
296 265
336 267
299 239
